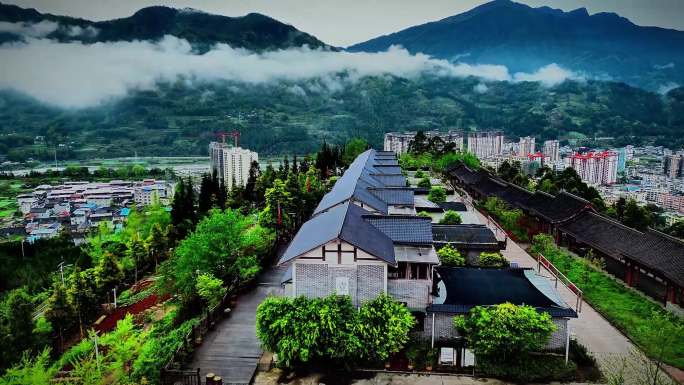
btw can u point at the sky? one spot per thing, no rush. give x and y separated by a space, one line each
342 23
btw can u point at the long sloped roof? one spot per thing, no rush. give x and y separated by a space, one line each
394 195
345 222
365 173
402 229
466 288
652 249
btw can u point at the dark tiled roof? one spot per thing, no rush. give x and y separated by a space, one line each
402 229
473 235
469 287
563 207
394 195
387 169
454 206
661 253
345 222
601 233
653 250
390 180
362 174
386 162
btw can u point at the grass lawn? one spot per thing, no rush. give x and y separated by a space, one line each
8 207
626 309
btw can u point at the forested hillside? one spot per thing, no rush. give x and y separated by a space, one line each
176 119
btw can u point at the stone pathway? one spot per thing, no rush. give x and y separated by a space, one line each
232 349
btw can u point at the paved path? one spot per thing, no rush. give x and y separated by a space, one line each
232 349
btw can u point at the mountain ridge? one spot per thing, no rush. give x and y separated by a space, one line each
524 39
253 31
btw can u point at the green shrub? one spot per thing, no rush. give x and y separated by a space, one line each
529 368
424 183
210 289
331 330
437 194
451 217
449 256
424 214
503 332
493 260
419 174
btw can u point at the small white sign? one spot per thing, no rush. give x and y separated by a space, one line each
342 285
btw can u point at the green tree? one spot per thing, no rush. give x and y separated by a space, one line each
493 260
16 326
451 217
505 332
449 256
108 272
210 289
382 328
635 216
437 194
82 295
354 148
225 244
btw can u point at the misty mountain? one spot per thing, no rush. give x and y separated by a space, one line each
603 45
253 31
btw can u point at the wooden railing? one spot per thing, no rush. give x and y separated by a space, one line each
206 323
185 377
542 261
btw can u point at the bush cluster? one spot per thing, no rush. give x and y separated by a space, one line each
303 330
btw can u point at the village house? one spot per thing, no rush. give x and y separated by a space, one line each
364 239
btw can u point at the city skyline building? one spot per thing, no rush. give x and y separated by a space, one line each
485 144
231 164
551 150
596 168
526 146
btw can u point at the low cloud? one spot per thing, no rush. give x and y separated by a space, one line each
76 75
77 31
549 75
35 30
481 88
664 66
667 87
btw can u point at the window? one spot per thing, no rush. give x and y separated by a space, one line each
420 321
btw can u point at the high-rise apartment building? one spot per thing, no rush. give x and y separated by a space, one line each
552 150
596 168
673 165
398 142
485 144
230 163
526 146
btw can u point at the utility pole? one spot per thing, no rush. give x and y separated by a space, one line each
61 271
114 289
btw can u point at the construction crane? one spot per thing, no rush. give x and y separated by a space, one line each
234 134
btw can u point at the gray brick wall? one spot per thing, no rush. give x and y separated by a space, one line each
557 340
311 280
413 292
371 282
319 280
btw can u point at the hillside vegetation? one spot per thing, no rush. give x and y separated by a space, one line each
177 119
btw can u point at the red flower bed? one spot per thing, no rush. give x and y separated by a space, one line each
110 321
